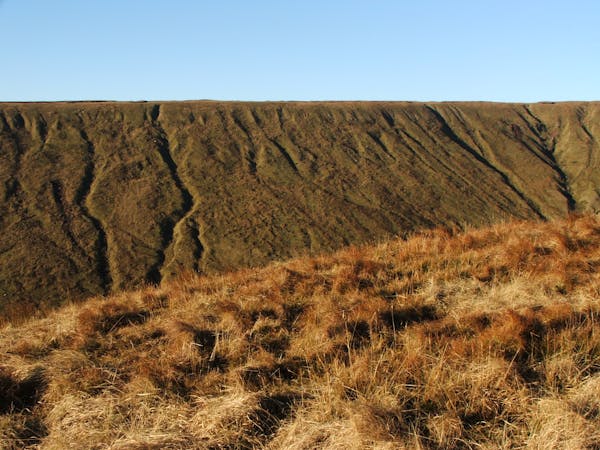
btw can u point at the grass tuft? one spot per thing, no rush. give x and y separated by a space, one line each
488 338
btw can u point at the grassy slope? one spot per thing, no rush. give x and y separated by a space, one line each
483 339
99 197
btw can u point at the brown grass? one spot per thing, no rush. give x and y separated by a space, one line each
483 339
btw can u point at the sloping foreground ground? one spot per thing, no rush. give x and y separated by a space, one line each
486 339
99 197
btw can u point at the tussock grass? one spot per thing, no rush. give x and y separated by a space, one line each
484 339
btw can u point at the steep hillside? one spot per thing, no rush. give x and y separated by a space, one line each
484 339
99 197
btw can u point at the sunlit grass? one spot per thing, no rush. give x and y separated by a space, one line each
483 339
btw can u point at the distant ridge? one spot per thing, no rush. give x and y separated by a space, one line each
96 197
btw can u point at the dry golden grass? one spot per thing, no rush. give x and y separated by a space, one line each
483 339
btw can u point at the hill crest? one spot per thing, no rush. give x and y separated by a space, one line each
99 197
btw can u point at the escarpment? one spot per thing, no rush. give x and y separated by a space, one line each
99 197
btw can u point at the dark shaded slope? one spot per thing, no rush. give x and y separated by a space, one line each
572 133
47 250
105 196
134 193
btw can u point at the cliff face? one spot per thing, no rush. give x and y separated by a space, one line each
98 197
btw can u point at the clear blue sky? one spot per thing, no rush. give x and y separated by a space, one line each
527 50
